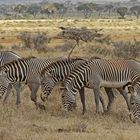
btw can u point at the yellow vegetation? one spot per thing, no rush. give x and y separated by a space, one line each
26 123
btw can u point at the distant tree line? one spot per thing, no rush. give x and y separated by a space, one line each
68 9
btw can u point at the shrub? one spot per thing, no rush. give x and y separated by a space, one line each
127 49
25 38
66 46
36 41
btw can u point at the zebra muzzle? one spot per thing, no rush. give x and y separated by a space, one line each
43 97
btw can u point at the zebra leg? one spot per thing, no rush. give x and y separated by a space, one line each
125 95
97 94
17 87
103 103
82 97
34 88
111 97
8 92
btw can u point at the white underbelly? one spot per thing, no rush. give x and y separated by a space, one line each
113 84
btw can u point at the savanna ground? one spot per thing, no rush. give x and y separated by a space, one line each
26 123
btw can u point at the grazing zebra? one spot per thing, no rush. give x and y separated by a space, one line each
25 70
99 73
59 71
6 57
134 90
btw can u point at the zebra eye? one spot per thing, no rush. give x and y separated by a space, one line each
43 84
132 103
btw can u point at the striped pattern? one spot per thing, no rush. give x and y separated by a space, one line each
135 101
6 57
98 73
57 72
27 70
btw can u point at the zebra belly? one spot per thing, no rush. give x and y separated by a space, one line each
115 84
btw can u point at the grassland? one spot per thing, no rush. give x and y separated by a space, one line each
26 123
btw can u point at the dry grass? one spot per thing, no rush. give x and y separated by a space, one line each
26 123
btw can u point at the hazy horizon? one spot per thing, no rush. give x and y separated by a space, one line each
37 1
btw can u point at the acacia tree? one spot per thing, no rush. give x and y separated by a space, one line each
122 11
61 9
135 10
20 9
109 8
99 9
86 9
33 9
47 12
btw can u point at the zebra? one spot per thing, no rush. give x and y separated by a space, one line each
6 57
26 70
59 70
99 73
134 90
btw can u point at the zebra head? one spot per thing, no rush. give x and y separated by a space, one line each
47 84
68 99
134 90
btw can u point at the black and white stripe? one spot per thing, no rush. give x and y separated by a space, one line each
26 70
57 72
99 73
134 90
6 57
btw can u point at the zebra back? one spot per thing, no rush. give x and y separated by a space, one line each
60 64
107 69
7 56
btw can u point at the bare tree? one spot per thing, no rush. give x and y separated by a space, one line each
76 34
86 9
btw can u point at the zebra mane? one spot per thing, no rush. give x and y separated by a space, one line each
19 59
71 60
